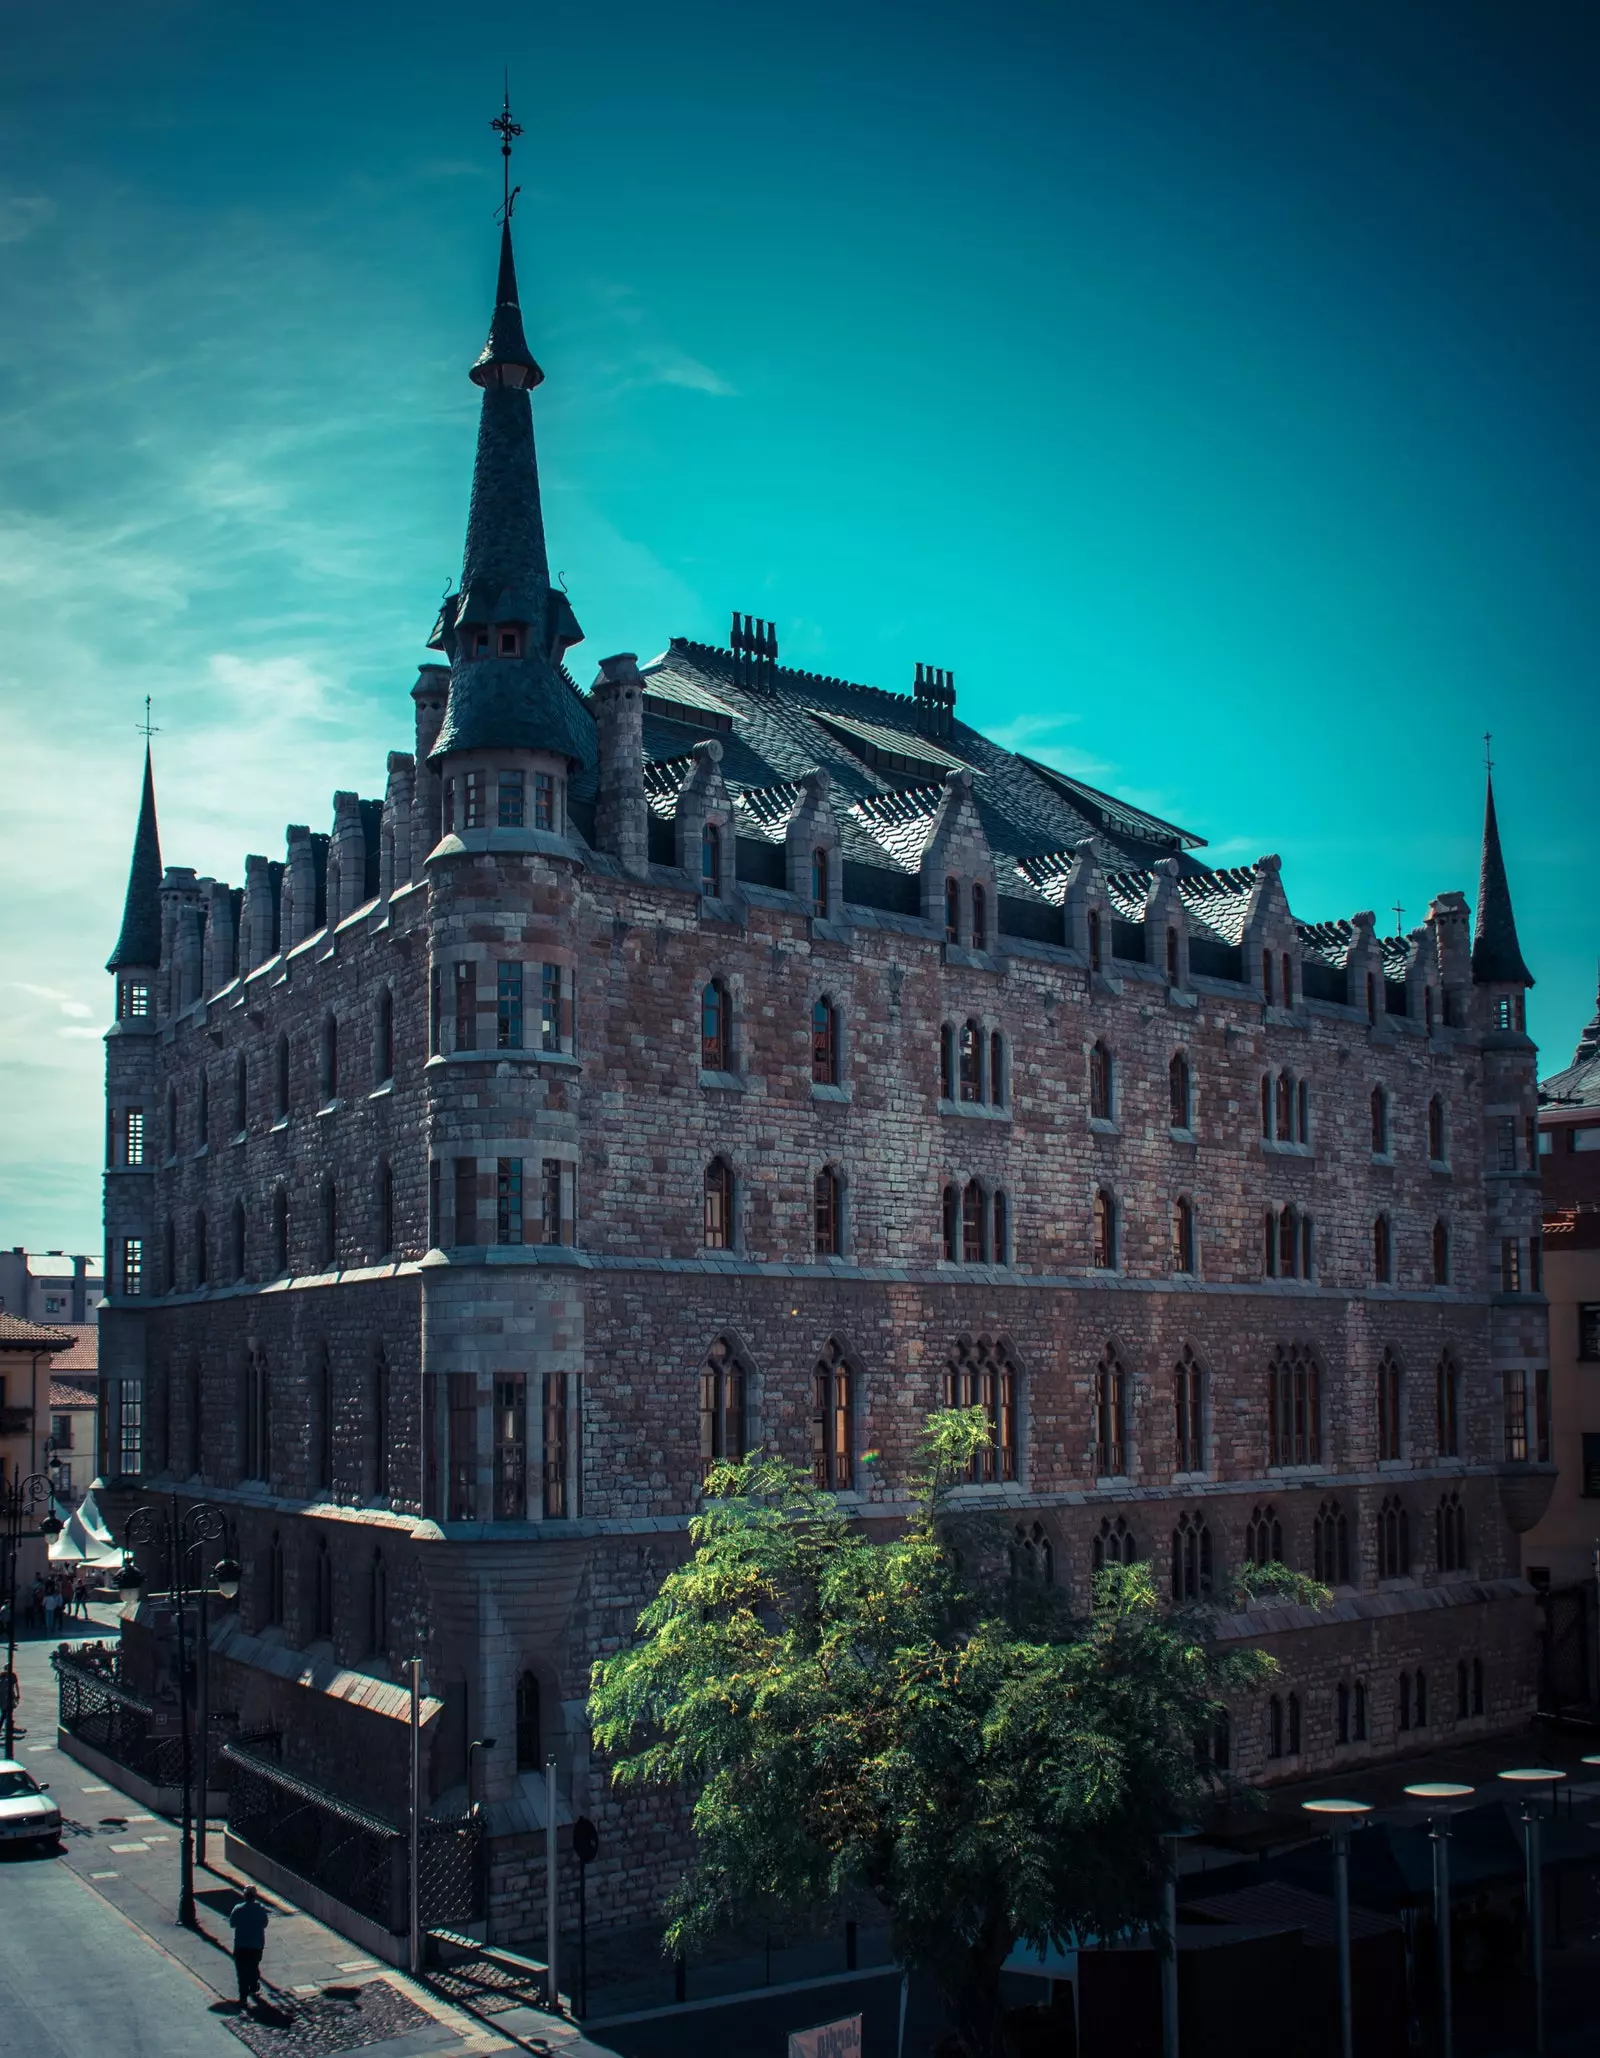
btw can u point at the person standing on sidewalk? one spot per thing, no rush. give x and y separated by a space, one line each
249 1925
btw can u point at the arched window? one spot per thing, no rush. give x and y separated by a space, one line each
1403 1701
1191 1558
322 1591
1110 1416
1263 1537
819 882
828 1213
384 1210
1360 1711
1302 1101
280 1230
971 1061
997 1068
972 1213
1274 1727
1294 1407
281 1079
1266 977
1188 1403
1266 1106
330 1059
383 1042
241 1095
1330 1546
1172 956
947 1062
719 1205
1450 1533
980 919
711 861
1178 1089
1182 1234
275 1580
824 1042
832 1422
1033 1555
1288 1243
952 911
1285 1107
257 1417
378 1606
1382 1251
1114 1543
1094 940
202 1254
1441 1253
952 1224
981 1375
330 1223
1436 1129
1394 1539
1105 1232
716 1041
1390 1399
530 1741
1447 1406
1001 1250
1380 1123
722 1407
236 1241
1269 1244
1102 1083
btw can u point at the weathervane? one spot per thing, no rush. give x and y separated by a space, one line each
147 728
507 129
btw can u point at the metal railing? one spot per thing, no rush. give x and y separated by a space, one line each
97 1709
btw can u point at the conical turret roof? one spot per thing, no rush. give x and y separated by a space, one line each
1496 953
139 942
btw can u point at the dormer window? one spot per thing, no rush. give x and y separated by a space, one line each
513 794
544 801
480 642
711 861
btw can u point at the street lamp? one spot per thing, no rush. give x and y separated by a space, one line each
1527 1778
1340 1818
1442 1796
17 1501
479 1743
184 1533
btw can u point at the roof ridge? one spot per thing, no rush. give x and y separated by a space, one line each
691 646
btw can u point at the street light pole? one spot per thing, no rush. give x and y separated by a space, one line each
16 1500
1528 1778
1341 1817
1440 1796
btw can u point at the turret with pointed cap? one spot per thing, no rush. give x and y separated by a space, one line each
1496 953
139 942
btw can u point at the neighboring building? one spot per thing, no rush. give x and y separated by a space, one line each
730 1056
52 1295
28 1353
1563 1549
75 1411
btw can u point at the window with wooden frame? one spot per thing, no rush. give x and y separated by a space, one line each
1110 1416
1104 1254
1390 1407
711 861
947 1062
510 1446
980 919
462 1443
1263 1537
1294 1407
1102 1083
1000 1247
722 1407
950 1205
1188 1407
719 1205
1191 1558
972 1224
716 1041
819 882
971 1066
1330 1545
828 1213
557 1500
980 1374
824 1042
832 1422
1183 1234
1178 1090
466 998
952 911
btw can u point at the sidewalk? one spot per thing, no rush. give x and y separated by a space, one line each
323 1995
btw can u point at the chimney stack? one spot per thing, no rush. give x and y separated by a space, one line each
621 818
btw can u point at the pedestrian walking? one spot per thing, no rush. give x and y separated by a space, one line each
80 1595
52 1603
249 1925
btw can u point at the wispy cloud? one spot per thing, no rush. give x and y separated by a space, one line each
22 213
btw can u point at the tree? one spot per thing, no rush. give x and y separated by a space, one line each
914 1716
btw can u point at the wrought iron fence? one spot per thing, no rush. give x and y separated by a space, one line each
361 1859
100 1711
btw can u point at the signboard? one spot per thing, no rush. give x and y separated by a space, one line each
828 2040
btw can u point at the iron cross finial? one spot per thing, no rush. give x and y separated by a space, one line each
507 130
147 728
1399 919
1488 761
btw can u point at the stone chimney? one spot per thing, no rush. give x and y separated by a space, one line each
621 818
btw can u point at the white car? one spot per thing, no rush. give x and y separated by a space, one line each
27 1813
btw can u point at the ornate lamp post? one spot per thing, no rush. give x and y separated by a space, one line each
184 1533
1527 1778
1443 1797
1339 1818
17 1502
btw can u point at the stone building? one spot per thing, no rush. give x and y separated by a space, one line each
729 1055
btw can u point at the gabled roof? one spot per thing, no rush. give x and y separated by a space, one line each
17 1335
1579 1084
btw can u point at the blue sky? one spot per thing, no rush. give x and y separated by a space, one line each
1212 388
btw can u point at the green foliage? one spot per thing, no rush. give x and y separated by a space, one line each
1253 1584
910 1716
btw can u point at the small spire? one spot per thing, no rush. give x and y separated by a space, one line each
139 942
1496 954
506 359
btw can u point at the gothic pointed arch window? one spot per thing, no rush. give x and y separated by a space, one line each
1450 1533
819 882
1263 1536
383 1039
1178 1089
1380 1123
1284 1103
1188 1405
832 1421
1274 1727
1294 1407
1382 1251
1330 1545
1191 1558
1394 1539
711 861
1288 1243
971 1061
1105 1232
827 1209
530 1738
980 1374
1113 1543
980 919
951 1212
1110 1415
1000 1247
1447 1406
1102 1082
824 1042
1033 1555
1391 1402
1266 1106
723 1427
716 1028
972 1223
718 1223
1441 1253
257 1416
999 1077
947 1062
952 911
1436 1138
1183 1234
280 1229
1269 1244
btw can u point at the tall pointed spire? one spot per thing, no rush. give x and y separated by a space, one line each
140 940
1496 953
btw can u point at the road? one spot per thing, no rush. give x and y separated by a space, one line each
75 1976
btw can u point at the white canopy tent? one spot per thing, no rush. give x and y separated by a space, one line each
84 1540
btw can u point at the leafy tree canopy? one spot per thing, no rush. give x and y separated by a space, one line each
909 1715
